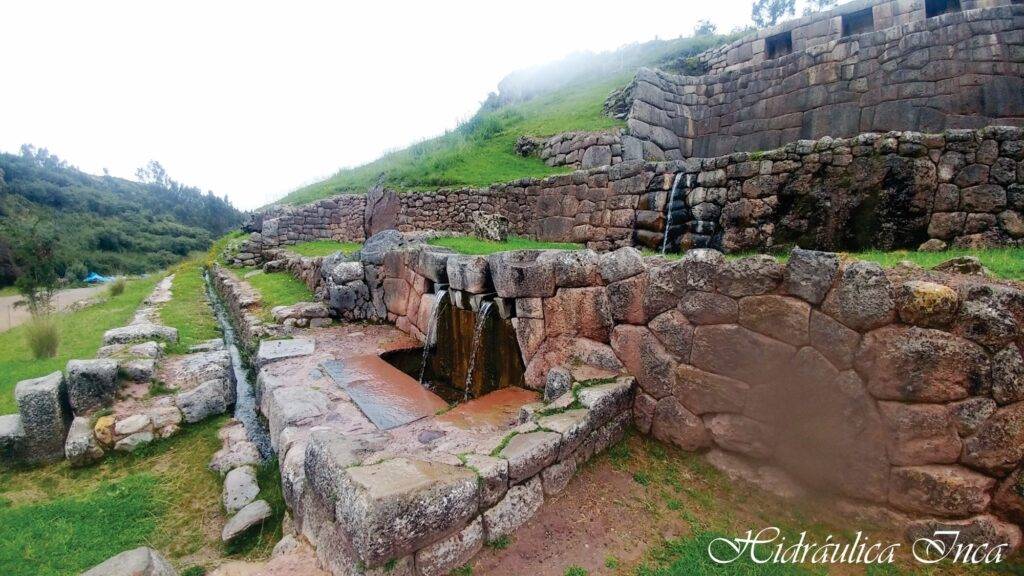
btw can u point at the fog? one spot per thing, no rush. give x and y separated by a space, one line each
254 99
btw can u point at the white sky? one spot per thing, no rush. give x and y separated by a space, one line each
254 99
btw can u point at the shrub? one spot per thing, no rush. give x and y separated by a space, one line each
117 287
43 336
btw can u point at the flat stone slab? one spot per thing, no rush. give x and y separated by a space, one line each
274 350
138 562
140 333
498 409
388 396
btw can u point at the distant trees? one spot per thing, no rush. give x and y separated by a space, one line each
768 12
818 5
104 224
153 173
705 28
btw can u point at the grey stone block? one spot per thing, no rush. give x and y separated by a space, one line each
45 415
91 384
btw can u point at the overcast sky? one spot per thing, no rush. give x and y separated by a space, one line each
254 99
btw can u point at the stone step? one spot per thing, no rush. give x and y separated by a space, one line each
388 396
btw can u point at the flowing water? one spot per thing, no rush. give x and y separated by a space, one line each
668 211
245 395
481 318
431 335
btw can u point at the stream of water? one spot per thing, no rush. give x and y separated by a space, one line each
668 211
245 395
481 318
431 335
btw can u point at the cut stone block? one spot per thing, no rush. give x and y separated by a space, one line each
493 474
205 400
273 350
12 434
91 384
530 453
81 448
573 425
42 403
514 510
133 442
452 552
393 508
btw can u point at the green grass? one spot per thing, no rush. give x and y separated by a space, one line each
1005 263
471 245
58 520
188 310
323 248
276 288
8 291
81 334
481 151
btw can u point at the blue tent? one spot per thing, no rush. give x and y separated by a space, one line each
94 278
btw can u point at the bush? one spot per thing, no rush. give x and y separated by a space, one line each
43 336
117 287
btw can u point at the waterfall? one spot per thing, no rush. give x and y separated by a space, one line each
431 334
481 318
668 211
245 395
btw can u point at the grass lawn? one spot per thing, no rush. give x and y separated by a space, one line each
8 291
59 520
323 248
81 334
472 245
276 288
188 310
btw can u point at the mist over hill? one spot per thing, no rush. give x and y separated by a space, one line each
102 223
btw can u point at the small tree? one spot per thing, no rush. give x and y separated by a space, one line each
153 173
705 28
768 12
35 255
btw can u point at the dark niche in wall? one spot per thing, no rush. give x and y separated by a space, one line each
858 22
778 45
940 7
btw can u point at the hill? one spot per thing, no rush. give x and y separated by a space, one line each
541 101
101 223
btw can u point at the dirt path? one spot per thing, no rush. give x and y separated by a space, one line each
11 315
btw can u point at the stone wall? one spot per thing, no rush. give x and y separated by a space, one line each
587 150
958 70
896 190
900 390
243 305
962 188
821 28
339 218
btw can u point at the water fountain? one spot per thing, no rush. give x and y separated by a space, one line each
668 211
245 395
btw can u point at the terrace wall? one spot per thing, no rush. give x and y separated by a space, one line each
958 70
894 190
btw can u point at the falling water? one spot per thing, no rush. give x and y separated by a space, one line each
481 317
668 211
431 340
245 396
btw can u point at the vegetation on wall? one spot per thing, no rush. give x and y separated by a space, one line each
101 223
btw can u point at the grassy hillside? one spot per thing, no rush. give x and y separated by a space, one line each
101 223
559 97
